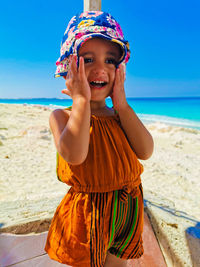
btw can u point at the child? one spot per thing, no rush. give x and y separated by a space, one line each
99 222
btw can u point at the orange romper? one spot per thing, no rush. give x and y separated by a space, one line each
103 210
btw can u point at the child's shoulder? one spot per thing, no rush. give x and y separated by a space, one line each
59 116
65 112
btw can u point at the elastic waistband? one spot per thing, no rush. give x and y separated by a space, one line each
134 191
128 190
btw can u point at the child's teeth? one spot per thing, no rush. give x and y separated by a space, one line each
97 83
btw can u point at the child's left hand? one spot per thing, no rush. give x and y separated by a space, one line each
118 94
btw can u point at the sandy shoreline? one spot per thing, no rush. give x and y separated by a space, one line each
29 189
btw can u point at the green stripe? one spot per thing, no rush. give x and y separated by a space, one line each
128 214
119 221
69 108
131 232
114 217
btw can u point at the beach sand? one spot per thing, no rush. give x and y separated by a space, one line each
30 191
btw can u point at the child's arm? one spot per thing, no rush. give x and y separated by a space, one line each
71 128
138 136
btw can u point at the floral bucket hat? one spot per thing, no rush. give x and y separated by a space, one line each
84 26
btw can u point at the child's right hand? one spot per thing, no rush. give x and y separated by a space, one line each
76 81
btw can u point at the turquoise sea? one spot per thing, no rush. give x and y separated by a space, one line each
183 111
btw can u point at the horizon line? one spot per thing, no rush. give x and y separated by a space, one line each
128 97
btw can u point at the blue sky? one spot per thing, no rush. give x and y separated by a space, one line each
164 38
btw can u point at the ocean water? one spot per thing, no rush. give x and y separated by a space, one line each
184 112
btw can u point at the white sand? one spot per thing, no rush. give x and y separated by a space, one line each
171 182
29 189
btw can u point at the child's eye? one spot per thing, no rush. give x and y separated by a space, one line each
88 60
111 61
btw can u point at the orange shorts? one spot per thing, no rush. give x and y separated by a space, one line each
88 225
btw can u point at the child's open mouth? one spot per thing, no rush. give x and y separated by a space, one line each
98 84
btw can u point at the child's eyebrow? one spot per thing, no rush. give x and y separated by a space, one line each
86 53
109 53
112 54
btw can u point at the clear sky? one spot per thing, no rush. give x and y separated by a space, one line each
164 38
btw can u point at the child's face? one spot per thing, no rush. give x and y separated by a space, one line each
100 57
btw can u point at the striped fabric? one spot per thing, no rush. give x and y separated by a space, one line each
94 224
124 228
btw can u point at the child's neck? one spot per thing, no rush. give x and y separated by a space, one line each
100 109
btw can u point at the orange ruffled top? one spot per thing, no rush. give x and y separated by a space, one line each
111 164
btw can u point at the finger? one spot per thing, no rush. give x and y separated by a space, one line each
69 74
74 66
123 72
121 77
66 92
117 77
124 65
120 72
68 84
81 67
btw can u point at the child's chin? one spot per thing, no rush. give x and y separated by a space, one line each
100 94
95 97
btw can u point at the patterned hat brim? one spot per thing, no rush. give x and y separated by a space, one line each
64 61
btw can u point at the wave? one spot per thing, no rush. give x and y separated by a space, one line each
151 118
157 111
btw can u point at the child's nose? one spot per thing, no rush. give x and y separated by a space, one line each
99 68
